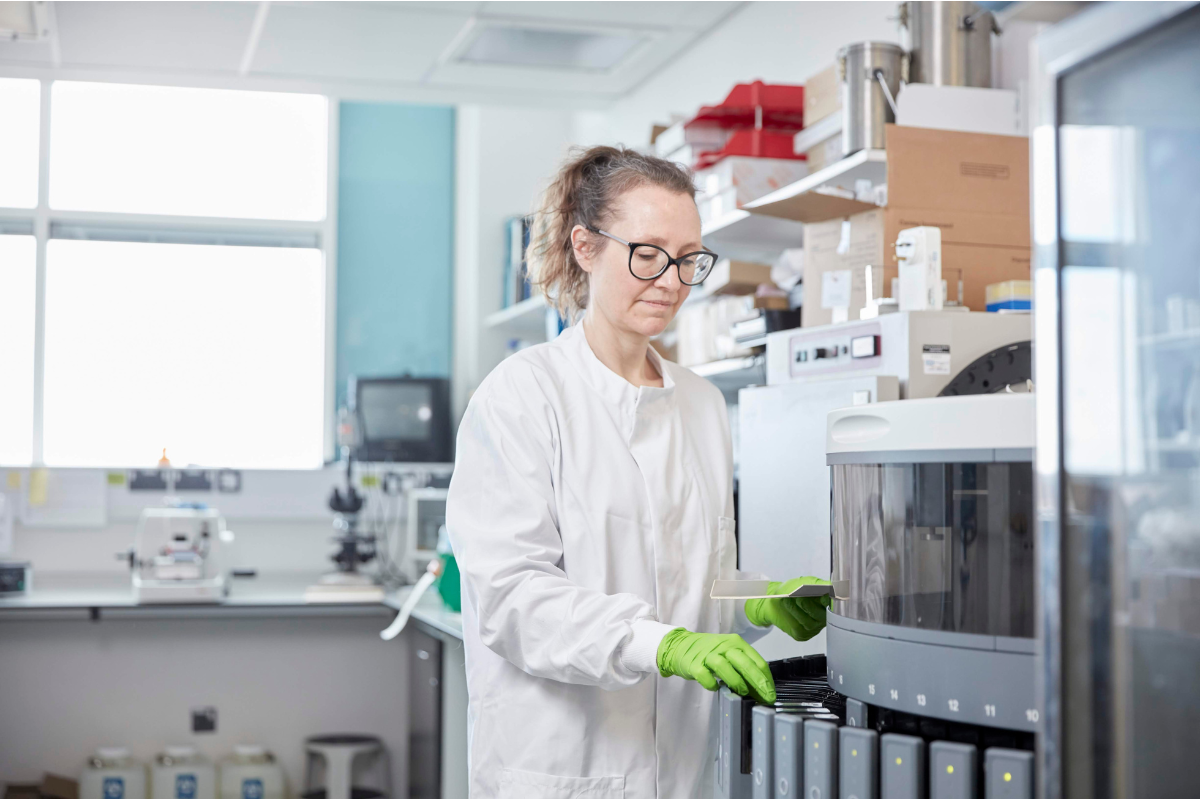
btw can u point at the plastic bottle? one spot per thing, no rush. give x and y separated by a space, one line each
181 772
112 772
251 772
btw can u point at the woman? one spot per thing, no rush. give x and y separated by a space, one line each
592 508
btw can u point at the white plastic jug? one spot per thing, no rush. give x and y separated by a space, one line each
251 772
181 772
112 772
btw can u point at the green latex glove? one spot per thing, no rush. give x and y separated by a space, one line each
799 617
709 657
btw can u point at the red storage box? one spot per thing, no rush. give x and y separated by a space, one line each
764 118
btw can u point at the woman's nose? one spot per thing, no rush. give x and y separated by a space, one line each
669 280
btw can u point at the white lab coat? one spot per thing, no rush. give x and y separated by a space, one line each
589 517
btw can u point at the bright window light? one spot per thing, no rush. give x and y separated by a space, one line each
194 152
18 302
215 353
20 104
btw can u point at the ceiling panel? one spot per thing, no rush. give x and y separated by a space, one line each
355 41
645 60
166 35
688 15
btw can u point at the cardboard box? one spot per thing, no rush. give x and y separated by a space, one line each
969 172
822 95
736 277
826 153
751 178
836 254
975 189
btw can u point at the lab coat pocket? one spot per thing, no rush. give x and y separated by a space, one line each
519 783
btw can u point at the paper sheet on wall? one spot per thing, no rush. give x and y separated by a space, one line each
69 498
835 288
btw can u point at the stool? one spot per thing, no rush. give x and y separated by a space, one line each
337 755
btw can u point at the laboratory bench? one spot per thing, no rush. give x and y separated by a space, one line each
97 595
98 668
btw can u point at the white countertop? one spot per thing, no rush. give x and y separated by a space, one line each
72 595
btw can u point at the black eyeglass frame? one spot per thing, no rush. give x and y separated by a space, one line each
676 261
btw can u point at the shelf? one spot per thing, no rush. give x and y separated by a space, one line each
732 374
800 201
751 237
524 320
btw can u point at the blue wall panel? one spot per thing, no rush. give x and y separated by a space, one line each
395 241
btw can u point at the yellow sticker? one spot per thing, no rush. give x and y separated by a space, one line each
116 479
369 481
14 479
39 481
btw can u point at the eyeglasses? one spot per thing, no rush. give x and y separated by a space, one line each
648 261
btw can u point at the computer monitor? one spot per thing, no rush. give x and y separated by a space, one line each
402 419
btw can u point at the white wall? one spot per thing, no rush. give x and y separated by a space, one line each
506 156
783 42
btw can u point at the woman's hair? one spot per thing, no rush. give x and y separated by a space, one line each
584 192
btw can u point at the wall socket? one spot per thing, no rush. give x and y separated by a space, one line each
204 720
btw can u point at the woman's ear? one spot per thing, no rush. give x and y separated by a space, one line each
581 247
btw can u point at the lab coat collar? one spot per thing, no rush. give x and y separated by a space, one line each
611 386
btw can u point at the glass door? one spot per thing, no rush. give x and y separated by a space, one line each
1128 493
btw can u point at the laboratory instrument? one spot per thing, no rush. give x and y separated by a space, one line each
346 765
355 548
426 518
16 577
1116 248
932 516
179 771
251 771
112 773
176 555
812 371
402 419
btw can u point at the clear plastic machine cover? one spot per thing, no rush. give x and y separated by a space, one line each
944 547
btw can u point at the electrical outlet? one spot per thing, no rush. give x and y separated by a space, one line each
147 480
193 480
229 480
204 720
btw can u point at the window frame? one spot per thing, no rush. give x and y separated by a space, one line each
44 223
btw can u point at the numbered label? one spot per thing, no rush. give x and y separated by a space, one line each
920 699
953 705
895 694
871 688
1031 714
989 710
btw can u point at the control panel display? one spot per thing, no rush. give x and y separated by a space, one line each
851 348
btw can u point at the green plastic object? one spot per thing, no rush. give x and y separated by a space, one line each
450 584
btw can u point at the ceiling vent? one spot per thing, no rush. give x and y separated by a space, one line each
547 48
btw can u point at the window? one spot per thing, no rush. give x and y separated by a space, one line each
196 152
182 279
17 308
214 353
21 101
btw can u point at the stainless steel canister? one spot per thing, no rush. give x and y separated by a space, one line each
951 43
865 69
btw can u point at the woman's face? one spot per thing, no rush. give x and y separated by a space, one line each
647 215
